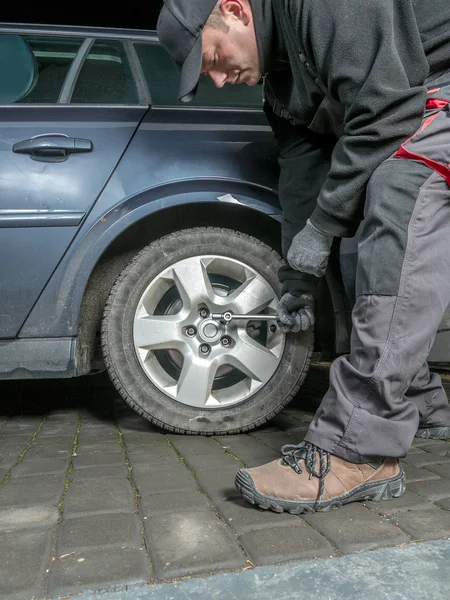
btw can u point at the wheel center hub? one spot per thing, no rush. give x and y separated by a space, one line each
210 331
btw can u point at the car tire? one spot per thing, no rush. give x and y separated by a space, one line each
139 373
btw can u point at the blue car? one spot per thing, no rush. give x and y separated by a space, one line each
141 235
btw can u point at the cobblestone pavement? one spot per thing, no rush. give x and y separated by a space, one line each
93 498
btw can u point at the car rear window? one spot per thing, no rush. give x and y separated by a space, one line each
163 78
52 57
105 77
34 69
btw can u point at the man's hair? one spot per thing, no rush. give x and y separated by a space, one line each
216 20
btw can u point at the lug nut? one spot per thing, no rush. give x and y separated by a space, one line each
204 348
191 331
225 341
203 313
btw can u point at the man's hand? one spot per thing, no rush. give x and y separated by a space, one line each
296 306
295 313
310 250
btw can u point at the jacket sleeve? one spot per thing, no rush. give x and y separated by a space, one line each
304 159
370 57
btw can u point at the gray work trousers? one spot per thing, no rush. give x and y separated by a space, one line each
382 391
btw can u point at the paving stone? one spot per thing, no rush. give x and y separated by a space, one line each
152 480
10 453
92 446
440 488
7 437
276 440
283 421
14 519
24 423
64 442
436 447
414 450
424 524
194 444
413 474
97 435
100 495
444 503
353 528
100 569
143 437
443 470
62 416
24 557
131 422
217 485
49 451
407 501
32 490
242 516
98 457
291 541
425 459
95 472
221 460
46 466
151 455
114 529
186 501
56 429
246 448
241 444
3 472
189 543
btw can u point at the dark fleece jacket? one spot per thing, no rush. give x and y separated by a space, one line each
372 58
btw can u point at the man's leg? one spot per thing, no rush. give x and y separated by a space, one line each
426 389
403 289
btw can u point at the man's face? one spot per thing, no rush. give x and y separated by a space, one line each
232 57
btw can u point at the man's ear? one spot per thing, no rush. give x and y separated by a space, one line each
236 9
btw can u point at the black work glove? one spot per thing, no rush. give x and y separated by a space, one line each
296 306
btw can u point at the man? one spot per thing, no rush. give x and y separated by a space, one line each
357 95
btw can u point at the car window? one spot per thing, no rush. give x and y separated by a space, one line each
105 77
163 78
52 58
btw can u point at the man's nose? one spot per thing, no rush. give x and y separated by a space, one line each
218 78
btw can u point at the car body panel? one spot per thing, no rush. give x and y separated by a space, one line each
40 200
176 157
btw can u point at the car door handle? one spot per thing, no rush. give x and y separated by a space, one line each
53 147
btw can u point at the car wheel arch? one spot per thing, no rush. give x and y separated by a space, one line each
141 232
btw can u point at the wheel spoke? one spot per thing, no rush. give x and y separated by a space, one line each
195 382
192 281
251 297
256 361
158 332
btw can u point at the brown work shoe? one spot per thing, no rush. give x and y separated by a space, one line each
308 479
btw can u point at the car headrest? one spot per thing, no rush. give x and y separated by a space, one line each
18 68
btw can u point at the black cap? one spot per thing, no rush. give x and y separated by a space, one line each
179 29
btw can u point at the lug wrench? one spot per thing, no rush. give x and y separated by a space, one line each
228 316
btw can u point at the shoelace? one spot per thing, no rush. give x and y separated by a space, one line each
293 454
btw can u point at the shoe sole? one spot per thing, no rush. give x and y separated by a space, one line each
377 491
433 433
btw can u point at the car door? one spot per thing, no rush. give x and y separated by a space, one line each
69 106
222 134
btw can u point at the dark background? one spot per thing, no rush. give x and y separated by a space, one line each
129 14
